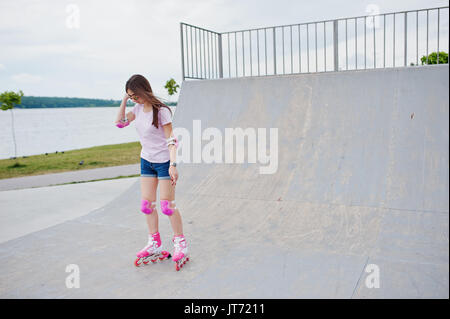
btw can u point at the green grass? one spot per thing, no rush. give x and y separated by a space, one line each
93 157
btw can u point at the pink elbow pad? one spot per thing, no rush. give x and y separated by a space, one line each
122 124
172 141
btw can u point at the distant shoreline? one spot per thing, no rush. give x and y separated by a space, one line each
63 107
42 102
72 107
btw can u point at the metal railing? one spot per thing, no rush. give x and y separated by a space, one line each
206 54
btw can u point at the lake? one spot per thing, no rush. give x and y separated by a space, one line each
40 131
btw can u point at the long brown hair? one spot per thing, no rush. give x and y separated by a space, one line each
141 87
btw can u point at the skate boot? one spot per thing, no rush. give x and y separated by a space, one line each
180 254
151 252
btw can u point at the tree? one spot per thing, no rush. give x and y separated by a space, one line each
432 58
8 100
171 87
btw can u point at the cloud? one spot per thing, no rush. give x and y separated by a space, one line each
26 78
117 38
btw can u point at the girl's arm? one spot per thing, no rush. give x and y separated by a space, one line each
172 149
173 153
121 113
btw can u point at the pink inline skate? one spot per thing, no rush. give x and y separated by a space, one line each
180 254
152 252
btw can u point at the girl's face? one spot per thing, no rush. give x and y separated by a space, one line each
134 97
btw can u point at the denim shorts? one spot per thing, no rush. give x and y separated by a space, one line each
160 170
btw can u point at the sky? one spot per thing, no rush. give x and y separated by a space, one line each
90 48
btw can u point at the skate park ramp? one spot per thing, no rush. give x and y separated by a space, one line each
357 207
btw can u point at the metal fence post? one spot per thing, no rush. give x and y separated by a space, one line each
220 56
335 45
405 62
182 51
274 53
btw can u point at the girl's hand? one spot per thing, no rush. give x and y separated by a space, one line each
173 174
125 97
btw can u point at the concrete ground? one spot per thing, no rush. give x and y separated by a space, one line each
47 200
28 210
357 206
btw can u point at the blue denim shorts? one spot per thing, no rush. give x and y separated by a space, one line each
160 170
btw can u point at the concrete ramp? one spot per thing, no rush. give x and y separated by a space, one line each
357 207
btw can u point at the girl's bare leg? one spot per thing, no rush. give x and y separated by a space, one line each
148 191
167 192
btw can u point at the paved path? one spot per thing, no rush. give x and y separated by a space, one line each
69 177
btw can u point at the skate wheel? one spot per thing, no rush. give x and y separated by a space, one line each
167 254
145 262
177 268
187 258
138 262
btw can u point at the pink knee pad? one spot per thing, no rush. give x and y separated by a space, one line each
165 207
146 208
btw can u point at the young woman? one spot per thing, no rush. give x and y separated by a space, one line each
153 121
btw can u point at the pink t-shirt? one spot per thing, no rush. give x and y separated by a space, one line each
153 140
